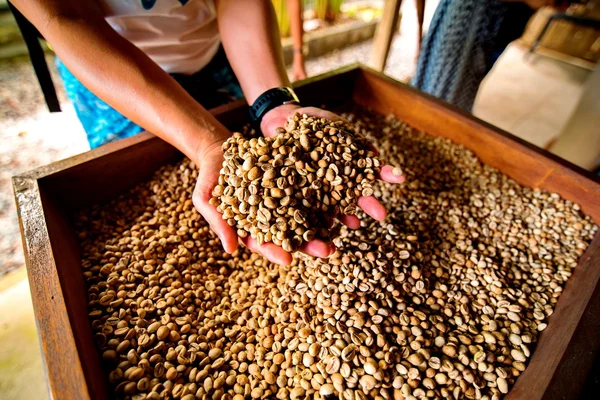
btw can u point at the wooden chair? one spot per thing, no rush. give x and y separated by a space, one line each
386 29
32 39
561 16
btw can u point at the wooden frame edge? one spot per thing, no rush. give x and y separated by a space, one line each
505 136
509 154
64 371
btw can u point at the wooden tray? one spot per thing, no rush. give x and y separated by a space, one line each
47 197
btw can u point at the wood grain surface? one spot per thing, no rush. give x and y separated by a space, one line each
567 347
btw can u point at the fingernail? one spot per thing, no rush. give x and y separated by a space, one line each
397 171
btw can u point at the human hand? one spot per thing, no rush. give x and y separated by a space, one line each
210 161
277 118
298 69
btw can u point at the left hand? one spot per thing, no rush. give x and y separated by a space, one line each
277 118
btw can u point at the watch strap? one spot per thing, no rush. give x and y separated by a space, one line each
269 100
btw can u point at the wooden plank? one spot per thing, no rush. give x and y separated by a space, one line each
63 367
384 34
67 259
522 161
420 4
113 173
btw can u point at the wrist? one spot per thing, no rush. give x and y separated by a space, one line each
269 100
204 139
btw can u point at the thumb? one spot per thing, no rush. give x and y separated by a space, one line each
276 118
208 176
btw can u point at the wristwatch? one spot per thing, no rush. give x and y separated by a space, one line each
269 100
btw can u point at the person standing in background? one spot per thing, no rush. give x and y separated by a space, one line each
464 40
297 30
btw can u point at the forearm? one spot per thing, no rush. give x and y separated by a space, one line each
251 40
121 74
124 77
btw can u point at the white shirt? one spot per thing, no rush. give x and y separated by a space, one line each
181 36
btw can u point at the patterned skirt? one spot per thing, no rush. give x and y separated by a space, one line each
457 51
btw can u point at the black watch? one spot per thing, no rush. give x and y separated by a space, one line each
269 100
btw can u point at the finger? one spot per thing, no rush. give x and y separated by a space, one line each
316 248
391 174
351 221
276 118
226 233
269 128
270 251
373 207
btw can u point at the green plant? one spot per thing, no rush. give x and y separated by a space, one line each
328 10
334 10
283 19
321 9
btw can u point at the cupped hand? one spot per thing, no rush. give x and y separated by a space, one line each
277 118
210 161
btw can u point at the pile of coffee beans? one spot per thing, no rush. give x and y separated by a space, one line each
444 299
278 189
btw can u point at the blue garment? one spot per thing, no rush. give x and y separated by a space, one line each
212 86
457 50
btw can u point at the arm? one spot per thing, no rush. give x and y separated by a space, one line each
297 29
255 56
124 77
251 40
121 74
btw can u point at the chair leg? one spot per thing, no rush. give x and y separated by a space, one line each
36 53
420 17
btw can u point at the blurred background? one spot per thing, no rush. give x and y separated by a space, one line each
543 86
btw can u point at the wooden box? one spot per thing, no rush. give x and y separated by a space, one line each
48 196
